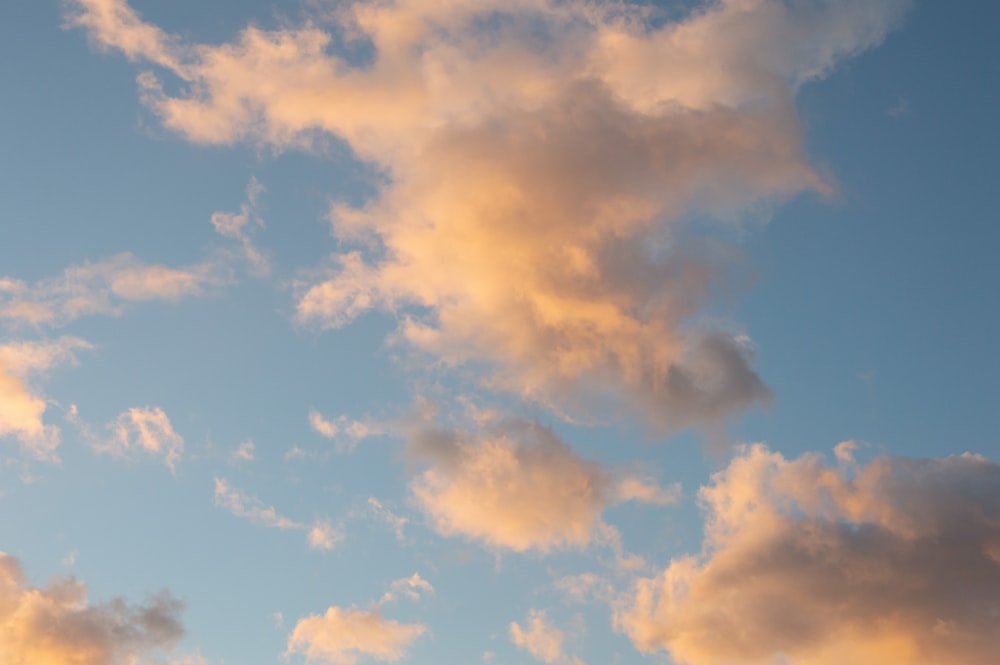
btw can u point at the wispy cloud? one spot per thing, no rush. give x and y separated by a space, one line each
343 431
141 428
381 513
103 287
894 560
241 225
244 452
320 535
414 588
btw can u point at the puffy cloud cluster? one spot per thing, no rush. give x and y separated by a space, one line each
54 625
22 409
541 157
99 288
517 486
894 561
345 637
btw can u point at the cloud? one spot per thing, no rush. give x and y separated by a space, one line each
517 486
55 624
539 637
396 522
413 587
22 409
101 288
320 535
345 432
251 508
244 452
240 226
897 560
345 637
143 428
543 161
323 536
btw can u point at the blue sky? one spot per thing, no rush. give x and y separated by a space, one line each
409 332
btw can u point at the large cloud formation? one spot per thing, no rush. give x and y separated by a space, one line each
541 158
515 485
894 561
54 625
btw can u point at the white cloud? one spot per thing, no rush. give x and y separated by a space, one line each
810 564
347 636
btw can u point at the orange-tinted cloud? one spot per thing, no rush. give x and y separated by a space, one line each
346 637
894 561
100 288
537 187
147 429
321 535
22 409
517 486
538 637
55 625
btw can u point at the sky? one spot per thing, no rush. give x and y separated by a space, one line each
574 332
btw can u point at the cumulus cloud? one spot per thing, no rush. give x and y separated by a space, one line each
517 486
542 160
22 409
538 637
320 535
348 636
143 428
103 287
805 563
55 623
